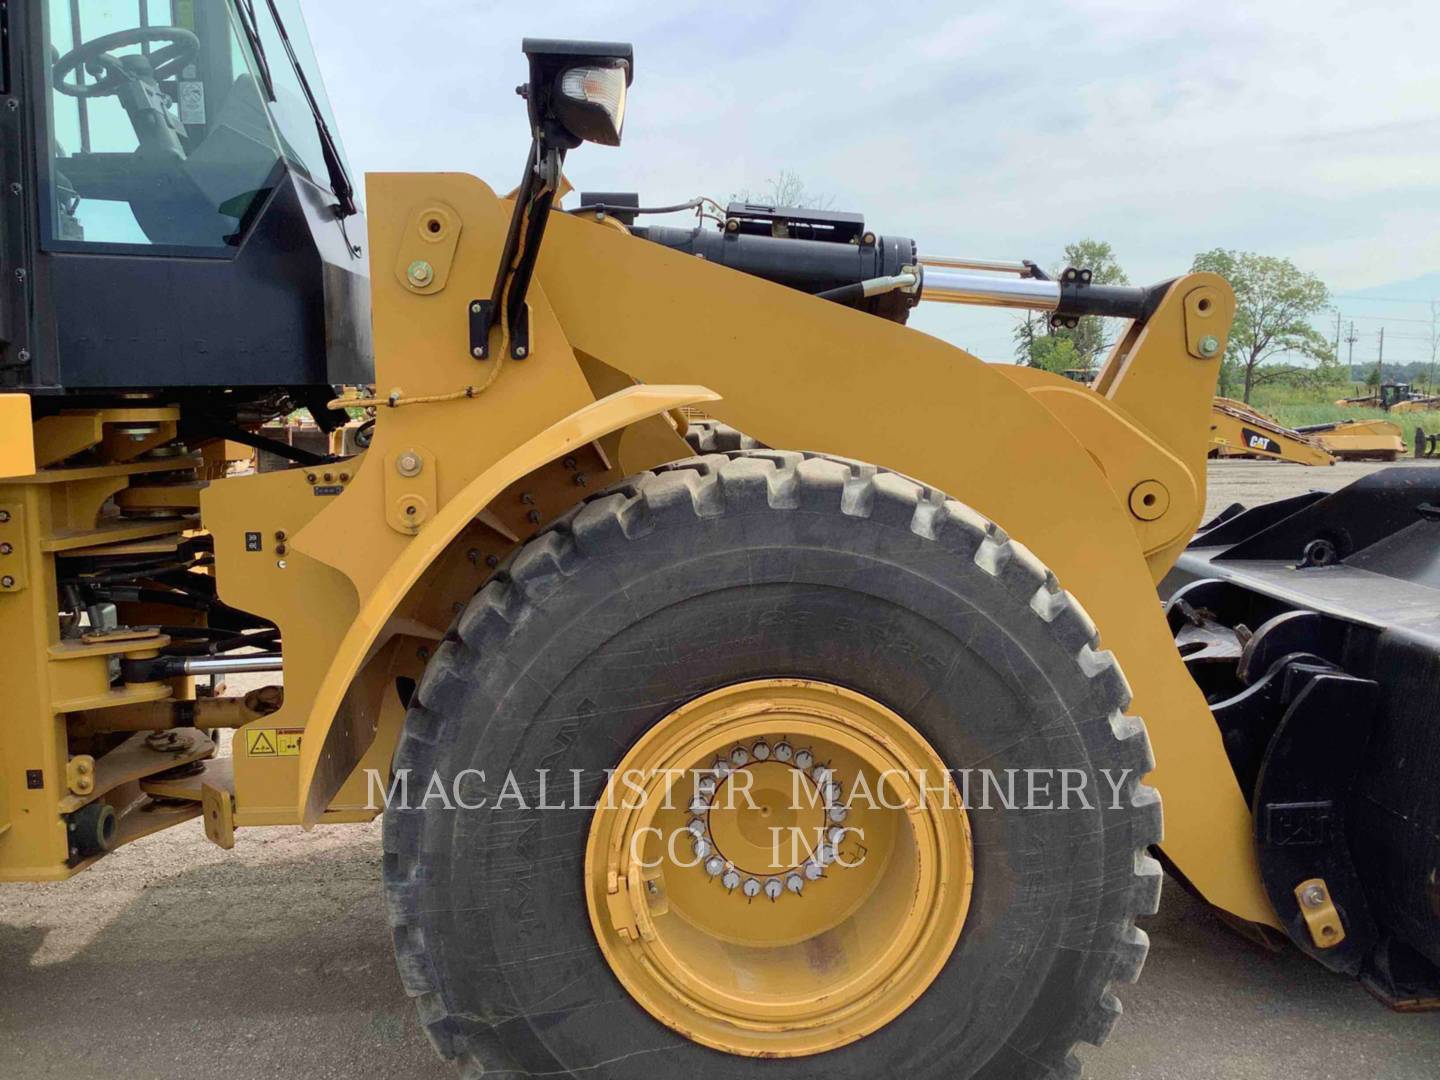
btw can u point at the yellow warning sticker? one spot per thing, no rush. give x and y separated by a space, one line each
273 742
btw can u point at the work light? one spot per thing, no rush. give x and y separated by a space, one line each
591 101
576 91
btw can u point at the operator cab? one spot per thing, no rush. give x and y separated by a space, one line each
195 224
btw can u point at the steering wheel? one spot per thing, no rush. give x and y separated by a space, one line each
181 47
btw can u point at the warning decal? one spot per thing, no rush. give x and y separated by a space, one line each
273 742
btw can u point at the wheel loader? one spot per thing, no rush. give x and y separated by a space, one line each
813 758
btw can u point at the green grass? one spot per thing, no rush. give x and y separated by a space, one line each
1296 406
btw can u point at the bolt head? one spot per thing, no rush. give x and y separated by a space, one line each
1209 345
409 463
1313 897
282 564
478 353
7 582
420 273
521 352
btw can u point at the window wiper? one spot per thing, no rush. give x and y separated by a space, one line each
340 185
246 11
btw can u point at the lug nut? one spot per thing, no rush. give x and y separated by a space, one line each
751 888
696 827
783 752
813 871
821 774
731 880
825 855
705 786
839 813
795 883
739 757
803 760
761 751
714 865
836 836
773 889
1313 897
699 807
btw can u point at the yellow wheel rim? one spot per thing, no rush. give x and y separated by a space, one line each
779 868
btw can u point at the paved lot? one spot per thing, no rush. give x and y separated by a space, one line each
172 959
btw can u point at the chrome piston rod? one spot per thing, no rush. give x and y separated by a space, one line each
947 286
1071 297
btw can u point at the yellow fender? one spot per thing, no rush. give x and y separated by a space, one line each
324 764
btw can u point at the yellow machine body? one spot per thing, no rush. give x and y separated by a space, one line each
363 564
1357 440
1237 430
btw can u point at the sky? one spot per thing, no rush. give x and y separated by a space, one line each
996 130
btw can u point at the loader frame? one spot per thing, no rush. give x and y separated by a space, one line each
364 563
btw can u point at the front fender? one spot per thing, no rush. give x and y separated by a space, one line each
330 750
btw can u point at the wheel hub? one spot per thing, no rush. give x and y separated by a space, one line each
779 868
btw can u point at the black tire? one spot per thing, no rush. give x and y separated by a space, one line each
713 437
721 569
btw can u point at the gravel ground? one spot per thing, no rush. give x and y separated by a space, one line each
172 958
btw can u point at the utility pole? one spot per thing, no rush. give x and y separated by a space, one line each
1380 361
1434 339
1350 340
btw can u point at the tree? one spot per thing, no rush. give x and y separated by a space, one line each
1274 303
1037 343
785 189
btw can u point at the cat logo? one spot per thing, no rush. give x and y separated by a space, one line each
1255 441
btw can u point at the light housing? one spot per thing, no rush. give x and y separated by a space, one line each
577 90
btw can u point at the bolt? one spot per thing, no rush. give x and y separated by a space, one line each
15 189
773 889
282 564
813 871
714 865
804 759
13 104
344 477
795 883
1209 345
1313 897
329 477
478 353
23 356
420 273
492 561
309 477
410 510
279 534
5 549
409 463
4 516
761 750
279 549
740 756
20 275
7 582
751 888
475 308
731 880
520 352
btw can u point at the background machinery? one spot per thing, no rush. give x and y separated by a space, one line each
522 572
